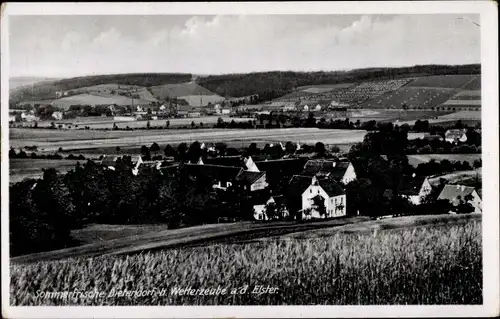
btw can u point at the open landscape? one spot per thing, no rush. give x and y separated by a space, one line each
197 160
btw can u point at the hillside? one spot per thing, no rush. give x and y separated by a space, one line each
95 99
276 84
179 89
47 90
20 81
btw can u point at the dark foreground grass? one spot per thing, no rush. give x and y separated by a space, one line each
427 265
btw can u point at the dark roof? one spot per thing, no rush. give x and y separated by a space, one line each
451 192
249 177
411 185
287 166
299 183
235 161
326 168
216 172
279 199
331 187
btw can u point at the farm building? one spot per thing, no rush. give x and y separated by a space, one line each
414 188
326 193
260 206
456 194
455 136
57 116
341 172
245 163
254 181
222 176
124 118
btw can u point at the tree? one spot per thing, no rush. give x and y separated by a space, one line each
319 202
12 153
290 147
221 148
252 149
148 125
194 152
181 151
118 148
271 211
192 124
169 151
146 154
320 149
154 147
167 124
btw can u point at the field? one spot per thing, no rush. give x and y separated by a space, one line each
20 169
321 88
438 264
394 116
96 99
201 100
107 122
415 160
180 89
415 98
445 81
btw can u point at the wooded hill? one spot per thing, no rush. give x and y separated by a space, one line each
47 90
276 83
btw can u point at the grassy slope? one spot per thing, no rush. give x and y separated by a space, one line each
217 233
20 169
427 265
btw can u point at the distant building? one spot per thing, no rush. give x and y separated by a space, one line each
455 136
414 188
341 172
57 116
253 181
329 193
456 194
260 206
222 176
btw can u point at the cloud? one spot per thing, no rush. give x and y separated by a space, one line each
226 44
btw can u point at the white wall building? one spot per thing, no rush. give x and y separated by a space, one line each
327 191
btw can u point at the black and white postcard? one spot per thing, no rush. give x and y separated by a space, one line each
324 159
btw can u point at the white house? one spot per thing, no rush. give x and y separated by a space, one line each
260 208
329 193
455 136
306 107
457 193
57 116
415 188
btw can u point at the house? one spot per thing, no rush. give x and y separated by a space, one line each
289 106
285 167
460 193
414 188
57 116
455 136
252 180
222 177
109 162
326 193
245 163
225 110
341 172
260 207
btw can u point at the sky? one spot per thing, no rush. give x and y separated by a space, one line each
66 46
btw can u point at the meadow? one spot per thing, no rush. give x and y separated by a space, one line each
447 81
432 265
415 160
20 169
51 140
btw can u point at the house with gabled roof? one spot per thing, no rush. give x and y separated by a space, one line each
263 200
341 172
414 188
222 177
252 181
456 194
455 135
327 192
